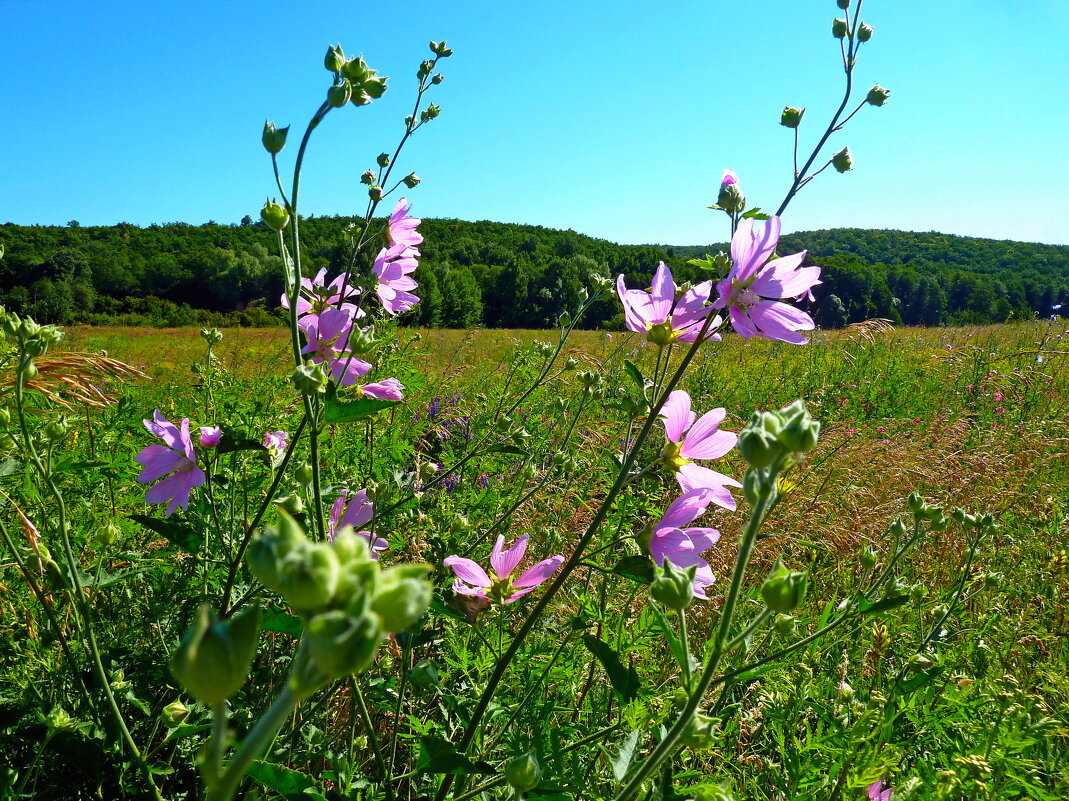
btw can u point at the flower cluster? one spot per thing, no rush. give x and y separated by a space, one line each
396 262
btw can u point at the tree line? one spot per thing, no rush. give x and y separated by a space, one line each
500 274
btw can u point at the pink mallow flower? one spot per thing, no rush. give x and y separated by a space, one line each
729 179
327 338
745 292
210 436
316 296
392 269
691 437
401 230
877 793
658 314
681 546
275 441
355 510
388 389
174 459
501 588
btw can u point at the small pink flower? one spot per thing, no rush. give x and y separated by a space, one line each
876 791
401 229
275 441
388 389
174 459
745 292
328 337
501 588
210 436
355 510
316 296
662 318
681 546
689 438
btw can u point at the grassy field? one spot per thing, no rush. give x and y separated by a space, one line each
972 417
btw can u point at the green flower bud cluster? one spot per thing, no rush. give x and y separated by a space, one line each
784 589
440 49
213 336
771 437
348 603
33 339
523 773
214 656
674 587
364 83
57 430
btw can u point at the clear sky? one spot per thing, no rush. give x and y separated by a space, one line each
611 117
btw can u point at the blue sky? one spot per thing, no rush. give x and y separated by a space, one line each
614 119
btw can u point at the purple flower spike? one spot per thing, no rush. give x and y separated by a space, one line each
661 317
501 588
673 539
174 459
753 280
690 438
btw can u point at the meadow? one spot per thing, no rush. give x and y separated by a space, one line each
971 418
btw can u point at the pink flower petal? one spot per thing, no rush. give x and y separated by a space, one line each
685 509
704 441
539 572
504 562
676 415
468 571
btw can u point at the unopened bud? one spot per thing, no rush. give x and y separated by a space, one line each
340 93
800 431
423 675
425 68
785 625
368 177
274 139
897 528
731 199
844 4
334 59
877 95
342 644
412 180
274 215
915 502
701 732
309 379
868 557
784 589
173 714
308 576
864 32
437 79
213 659
839 28
523 773
383 159
304 473
759 447
403 597
674 587
375 193
843 161
109 533
439 49
791 116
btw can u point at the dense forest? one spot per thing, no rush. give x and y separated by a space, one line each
499 274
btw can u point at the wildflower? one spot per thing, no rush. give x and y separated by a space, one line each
174 459
690 438
327 340
389 389
275 441
745 292
316 296
401 230
683 546
210 436
660 316
355 510
876 791
392 268
501 588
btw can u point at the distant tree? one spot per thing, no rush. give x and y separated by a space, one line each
74 224
462 304
246 221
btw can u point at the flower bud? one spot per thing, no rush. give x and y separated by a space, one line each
340 93
423 675
342 644
274 215
864 33
213 336
758 447
267 551
523 773
368 177
439 49
431 112
403 597
383 159
784 589
310 379
843 161
334 59
791 117
939 524
290 502
785 625
868 557
375 193
800 431
897 528
918 592
915 502
173 714
359 96
412 180
712 792
109 534
213 659
437 79
308 576
356 70
274 139
844 4
839 28
877 95
673 587
425 68
304 473
731 199
701 732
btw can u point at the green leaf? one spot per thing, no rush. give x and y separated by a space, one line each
906 686
755 214
341 410
622 761
185 537
290 784
624 680
867 607
636 568
636 375
281 623
437 755
506 448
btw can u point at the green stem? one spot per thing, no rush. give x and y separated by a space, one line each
372 738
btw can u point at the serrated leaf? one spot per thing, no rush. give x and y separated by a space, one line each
437 755
289 783
636 568
755 214
342 410
622 761
185 537
624 680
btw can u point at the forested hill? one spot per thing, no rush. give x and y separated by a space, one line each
500 274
